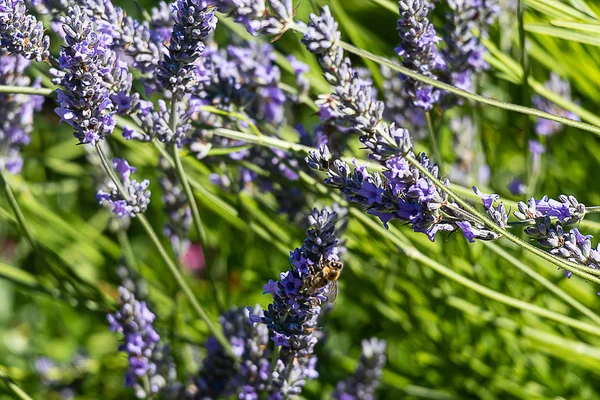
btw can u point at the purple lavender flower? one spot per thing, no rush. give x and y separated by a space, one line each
138 195
464 51
272 17
403 192
16 112
194 22
84 99
242 77
155 123
300 69
292 316
179 217
419 51
218 376
21 33
561 87
362 384
134 320
536 149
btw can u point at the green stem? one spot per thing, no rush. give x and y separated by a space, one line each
468 95
189 195
432 139
183 178
128 253
569 266
218 334
25 90
544 282
524 84
396 237
13 387
14 205
460 92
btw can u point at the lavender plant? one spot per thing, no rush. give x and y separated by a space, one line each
140 341
364 381
84 99
16 112
419 50
21 33
467 24
194 22
545 127
138 195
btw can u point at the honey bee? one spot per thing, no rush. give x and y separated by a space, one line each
326 273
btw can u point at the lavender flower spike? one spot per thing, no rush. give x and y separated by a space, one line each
464 51
16 112
419 51
84 98
138 195
292 316
362 384
218 376
403 192
134 320
21 33
194 22
546 127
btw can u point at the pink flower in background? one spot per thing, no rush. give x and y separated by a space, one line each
193 259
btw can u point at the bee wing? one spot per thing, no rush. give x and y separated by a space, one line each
332 291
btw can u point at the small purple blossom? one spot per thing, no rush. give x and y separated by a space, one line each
362 384
419 50
21 33
562 88
135 322
16 112
138 195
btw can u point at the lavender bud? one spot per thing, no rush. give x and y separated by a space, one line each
134 320
138 195
364 381
21 33
16 112
194 22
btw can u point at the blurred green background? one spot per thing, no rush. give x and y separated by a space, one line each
444 340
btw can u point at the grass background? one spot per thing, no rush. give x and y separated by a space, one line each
444 340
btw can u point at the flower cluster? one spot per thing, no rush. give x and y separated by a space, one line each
218 377
21 33
84 98
562 88
179 217
138 195
134 320
366 378
467 24
243 77
156 123
403 192
194 22
272 17
548 219
419 50
352 102
292 316
16 112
